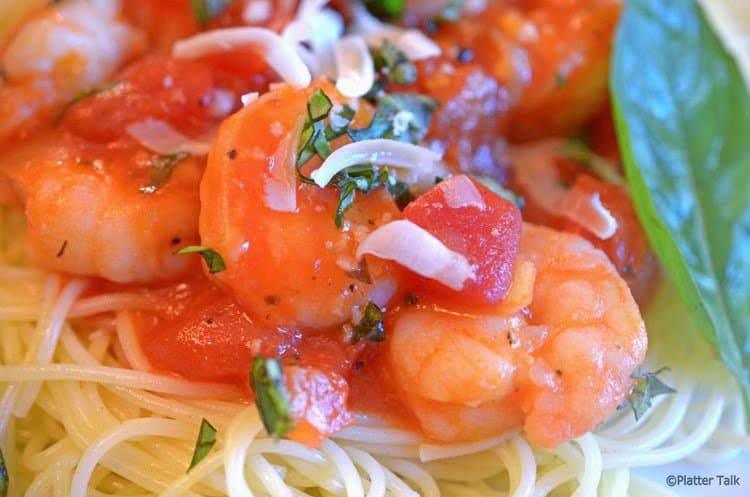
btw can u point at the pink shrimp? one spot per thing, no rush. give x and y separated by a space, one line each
557 366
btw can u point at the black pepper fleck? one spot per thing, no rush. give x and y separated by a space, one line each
272 299
465 55
232 154
411 299
62 248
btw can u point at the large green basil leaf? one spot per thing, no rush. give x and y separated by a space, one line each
683 119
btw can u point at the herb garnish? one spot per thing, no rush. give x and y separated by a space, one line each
501 191
271 397
400 116
385 9
370 326
560 79
3 476
365 178
648 387
393 66
213 260
94 90
683 135
404 117
161 167
577 150
204 444
316 135
206 10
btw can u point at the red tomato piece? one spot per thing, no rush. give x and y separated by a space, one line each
478 224
199 332
209 338
318 404
157 87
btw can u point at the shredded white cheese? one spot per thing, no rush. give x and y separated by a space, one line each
160 137
415 248
422 161
277 52
414 44
356 69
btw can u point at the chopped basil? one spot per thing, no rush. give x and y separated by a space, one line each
213 260
316 135
400 192
205 10
361 273
577 150
501 191
4 480
648 387
401 116
204 444
94 90
319 106
393 65
271 397
560 79
370 326
385 9
161 167
365 178
405 117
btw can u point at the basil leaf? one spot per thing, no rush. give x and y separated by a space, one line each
393 65
318 106
648 387
205 10
370 326
404 117
204 444
4 480
682 113
95 90
271 397
385 9
161 169
213 260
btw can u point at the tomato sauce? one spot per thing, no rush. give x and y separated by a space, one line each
198 331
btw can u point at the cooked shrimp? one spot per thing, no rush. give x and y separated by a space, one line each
548 60
558 367
62 51
286 260
87 216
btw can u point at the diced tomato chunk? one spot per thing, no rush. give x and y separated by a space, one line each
318 404
157 87
199 332
628 248
478 224
211 338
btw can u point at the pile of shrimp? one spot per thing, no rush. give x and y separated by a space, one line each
554 355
